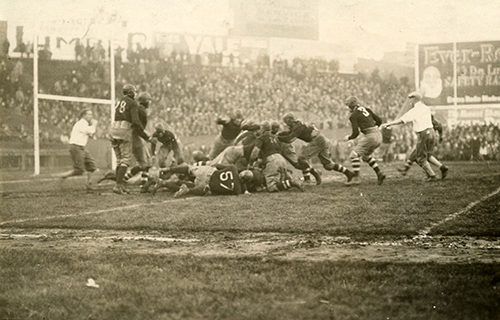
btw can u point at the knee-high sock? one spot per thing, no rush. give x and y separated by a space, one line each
373 163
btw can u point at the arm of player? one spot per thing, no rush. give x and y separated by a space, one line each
290 135
355 130
392 123
136 123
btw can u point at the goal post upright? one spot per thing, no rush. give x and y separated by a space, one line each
37 96
36 129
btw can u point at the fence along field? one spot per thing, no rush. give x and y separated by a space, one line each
405 249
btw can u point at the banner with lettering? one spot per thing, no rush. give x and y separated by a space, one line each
435 73
477 69
241 49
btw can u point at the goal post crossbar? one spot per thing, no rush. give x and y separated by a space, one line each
37 96
74 99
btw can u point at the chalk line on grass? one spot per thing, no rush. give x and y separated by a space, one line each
423 233
93 212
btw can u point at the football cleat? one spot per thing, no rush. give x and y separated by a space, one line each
430 179
157 186
444 171
380 178
145 187
317 175
403 170
182 191
108 176
118 189
90 189
298 184
350 175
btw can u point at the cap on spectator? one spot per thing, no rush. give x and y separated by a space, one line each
288 117
159 127
415 94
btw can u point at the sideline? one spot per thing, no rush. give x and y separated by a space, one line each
424 232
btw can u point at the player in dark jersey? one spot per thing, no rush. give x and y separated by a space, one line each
217 180
140 149
317 144
252 180
289 153
169 143
365 121
231 128
267 147
438 127
126 121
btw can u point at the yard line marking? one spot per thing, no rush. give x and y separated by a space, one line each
29 180
423 233
95 212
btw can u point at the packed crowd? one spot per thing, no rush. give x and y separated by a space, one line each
188 96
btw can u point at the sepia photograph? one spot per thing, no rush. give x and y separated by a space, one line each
249 159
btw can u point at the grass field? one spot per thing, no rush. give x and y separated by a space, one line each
405 250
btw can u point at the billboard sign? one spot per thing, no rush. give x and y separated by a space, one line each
461 80
477 69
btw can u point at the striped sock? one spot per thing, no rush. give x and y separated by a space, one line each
356 164
307 174
144 177
127 176
284 185
339 168
373 164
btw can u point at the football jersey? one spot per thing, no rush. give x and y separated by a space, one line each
299 130
268 144
225 181
230 129
361 119
166 138
127 109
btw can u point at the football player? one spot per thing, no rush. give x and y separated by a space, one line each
289 153
275 171
169 142
231 128
317 144
364 120
217 180
140 149
126 121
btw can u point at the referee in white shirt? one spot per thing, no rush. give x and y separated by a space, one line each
421 116
82 160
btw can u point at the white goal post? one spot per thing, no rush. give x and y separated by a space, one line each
37 95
